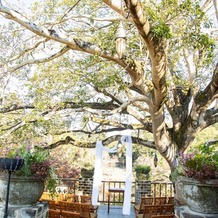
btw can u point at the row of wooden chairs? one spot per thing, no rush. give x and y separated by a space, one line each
152 201
163 209
66 197
71 209
64 214
164 216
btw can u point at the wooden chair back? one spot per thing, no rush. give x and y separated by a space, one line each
144 201
54 213
86 210
67 206
160 200
150 210
72 198
167 209
163 216
170 200
86 199
59 197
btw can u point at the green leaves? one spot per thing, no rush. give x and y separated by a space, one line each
202 164
161 30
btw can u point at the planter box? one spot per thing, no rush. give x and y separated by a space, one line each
87 173
23 191
198 196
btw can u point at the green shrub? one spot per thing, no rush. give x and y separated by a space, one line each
142 169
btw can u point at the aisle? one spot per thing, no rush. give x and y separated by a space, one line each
115 212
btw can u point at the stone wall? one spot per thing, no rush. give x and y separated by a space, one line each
85 186
142 188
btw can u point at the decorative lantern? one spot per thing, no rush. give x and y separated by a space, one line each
120 39
155 160
119 149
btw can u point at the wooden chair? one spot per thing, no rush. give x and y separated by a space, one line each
85 198
163 216
67 206
59 197
69 214
72 197
88 199
170 200
144 201
54 213
149 210
166 208
86 210
160 200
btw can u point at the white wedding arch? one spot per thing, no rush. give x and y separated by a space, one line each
125 141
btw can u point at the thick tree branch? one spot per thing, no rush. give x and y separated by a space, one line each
105 142
138 16
205 98
216 8
64 105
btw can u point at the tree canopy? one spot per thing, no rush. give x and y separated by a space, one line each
64 82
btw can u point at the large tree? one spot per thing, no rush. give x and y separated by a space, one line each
62 77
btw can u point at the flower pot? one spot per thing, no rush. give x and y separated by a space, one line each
23 190
199 196
142 176
87 173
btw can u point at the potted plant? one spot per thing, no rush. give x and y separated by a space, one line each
197 179
87 171
142 172
27 183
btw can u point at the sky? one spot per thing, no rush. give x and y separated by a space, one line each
19 3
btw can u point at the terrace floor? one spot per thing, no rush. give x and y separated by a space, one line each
115 212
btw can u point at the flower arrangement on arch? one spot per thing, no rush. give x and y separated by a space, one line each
201 164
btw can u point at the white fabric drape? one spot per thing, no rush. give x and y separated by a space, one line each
98 171
128 182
